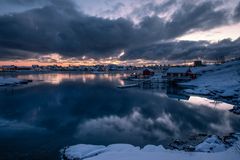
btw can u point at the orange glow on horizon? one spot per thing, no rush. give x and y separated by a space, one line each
92 62
57 59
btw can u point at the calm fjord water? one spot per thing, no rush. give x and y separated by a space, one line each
60 109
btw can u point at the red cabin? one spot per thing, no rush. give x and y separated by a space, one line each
148 72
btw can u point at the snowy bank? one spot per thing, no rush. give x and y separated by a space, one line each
219 82
211 144
12 81
149 152
212 148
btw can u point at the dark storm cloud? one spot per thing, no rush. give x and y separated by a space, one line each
237 12
201 17
59 27
153 8
187 50
13 6
15 54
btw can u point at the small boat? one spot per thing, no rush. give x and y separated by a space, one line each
128 86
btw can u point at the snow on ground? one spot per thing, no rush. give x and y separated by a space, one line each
211 144
12 81
222 79
84 151
219 81
152 152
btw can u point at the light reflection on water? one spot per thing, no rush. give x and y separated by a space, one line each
197 101
178 95
201 101
69 108
57 78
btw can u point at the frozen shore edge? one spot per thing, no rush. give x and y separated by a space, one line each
212 148
218 82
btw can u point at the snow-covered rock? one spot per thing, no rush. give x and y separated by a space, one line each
82 151
153 148
122 148
149 152
211 144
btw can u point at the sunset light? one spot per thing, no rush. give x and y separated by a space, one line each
119 79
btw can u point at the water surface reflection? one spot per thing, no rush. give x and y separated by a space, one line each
66 109
57 78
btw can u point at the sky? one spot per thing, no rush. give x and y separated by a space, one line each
80 32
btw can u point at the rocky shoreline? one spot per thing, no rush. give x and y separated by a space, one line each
193 142
200 143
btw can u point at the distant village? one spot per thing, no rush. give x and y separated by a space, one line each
143 73
95 68
173 73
